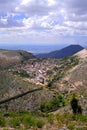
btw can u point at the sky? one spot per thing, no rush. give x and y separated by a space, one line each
43 22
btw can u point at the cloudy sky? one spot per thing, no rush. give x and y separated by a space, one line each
43 22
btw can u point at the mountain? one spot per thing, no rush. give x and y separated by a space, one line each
67 51
9 57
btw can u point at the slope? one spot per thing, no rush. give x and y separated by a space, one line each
9 57
72 77
17 93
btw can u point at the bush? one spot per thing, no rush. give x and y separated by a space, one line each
40 123
2 122
71 125
82 118
15 122
54 104
51 118
29 120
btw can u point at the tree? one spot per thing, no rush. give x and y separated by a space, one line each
75 106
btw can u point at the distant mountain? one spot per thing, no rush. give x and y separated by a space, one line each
9 57
67 51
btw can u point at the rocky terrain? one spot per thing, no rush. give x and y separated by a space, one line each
58 80
62 76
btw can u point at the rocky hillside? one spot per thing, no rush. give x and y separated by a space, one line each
57 79
12 85
66 75
72 77
9 57
73 69
78 76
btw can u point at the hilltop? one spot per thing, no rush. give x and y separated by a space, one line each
82 54
9 57
67 51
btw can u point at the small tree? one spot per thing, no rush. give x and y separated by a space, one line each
75 106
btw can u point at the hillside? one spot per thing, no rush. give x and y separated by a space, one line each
36 93
82 54
9 57
78 76
73 77
67 51
61 75
73 73
13 86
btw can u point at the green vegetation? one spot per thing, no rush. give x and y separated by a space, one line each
25 118
51 118
35 120
29 121
66 64
22 73
2 121
57 102
75 106
71 125
40 123
81 118
71 122
15 122
57 77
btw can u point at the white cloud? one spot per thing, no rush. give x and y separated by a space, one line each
24 2
49 21
51 2
3 21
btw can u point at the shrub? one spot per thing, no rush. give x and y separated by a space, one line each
15 122
60 118
29 120
40 123
71 125
75 106
2 122
54 104
51 118
82 118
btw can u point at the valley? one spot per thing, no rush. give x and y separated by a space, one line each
55 81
